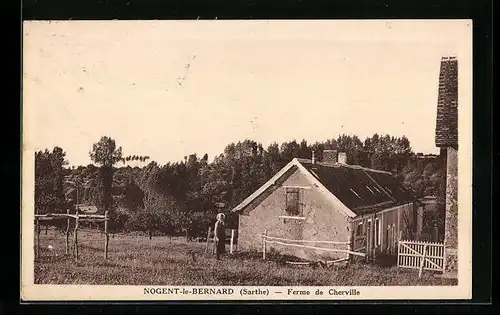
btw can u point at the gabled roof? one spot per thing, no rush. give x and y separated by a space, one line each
447 107
353 189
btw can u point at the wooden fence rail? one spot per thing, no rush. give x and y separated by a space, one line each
289 242
306 241
78 218
421 255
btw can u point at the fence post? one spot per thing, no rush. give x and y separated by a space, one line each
37 227
231 243
422 262
349 244
264 245
67 232
208 239
106 234
214 246
75 241
399 250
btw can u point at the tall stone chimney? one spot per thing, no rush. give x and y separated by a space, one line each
447 141
342 158
313 158
329 156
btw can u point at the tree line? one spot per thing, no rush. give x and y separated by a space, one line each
184 196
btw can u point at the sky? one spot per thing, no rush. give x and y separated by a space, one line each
167 89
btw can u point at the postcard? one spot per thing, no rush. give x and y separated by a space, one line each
247 160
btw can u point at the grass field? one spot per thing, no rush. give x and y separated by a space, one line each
134 260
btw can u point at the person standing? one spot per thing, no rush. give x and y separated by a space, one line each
220 236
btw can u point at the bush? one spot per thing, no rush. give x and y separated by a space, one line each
199 223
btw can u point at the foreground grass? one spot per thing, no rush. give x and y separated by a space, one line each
134 260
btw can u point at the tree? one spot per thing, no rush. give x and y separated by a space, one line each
105 153
272 160
49 177
129 158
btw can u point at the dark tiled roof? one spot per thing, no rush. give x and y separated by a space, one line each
361 190
447 111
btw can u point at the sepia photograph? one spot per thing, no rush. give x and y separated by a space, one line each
247 160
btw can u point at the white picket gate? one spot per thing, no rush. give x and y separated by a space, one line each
421 255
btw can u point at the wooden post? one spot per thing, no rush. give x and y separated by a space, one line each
106 234
208 239
422 262
67 233
367 254
368 240
75 240
46 229
231 242
264 245
214 246
350 246
37 227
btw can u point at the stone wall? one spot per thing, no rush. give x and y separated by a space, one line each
451 214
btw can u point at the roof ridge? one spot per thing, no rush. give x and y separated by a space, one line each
375 170
337 164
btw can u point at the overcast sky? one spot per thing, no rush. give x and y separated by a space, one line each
171 88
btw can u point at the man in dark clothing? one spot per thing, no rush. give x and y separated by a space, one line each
220 236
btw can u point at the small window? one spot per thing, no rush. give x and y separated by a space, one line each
293 202
359 229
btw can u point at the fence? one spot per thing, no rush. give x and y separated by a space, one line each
421 255
292 243
211 239
78 218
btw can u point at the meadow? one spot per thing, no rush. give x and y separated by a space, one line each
135 260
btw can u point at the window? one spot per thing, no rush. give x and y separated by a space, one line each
293 201
359 229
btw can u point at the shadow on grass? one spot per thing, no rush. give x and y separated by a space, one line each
386 261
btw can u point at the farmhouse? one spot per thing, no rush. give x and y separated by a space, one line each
329 201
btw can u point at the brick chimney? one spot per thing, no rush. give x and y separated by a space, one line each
329 156
342 158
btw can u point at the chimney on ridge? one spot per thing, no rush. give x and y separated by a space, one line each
329 156
342 158
313 158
